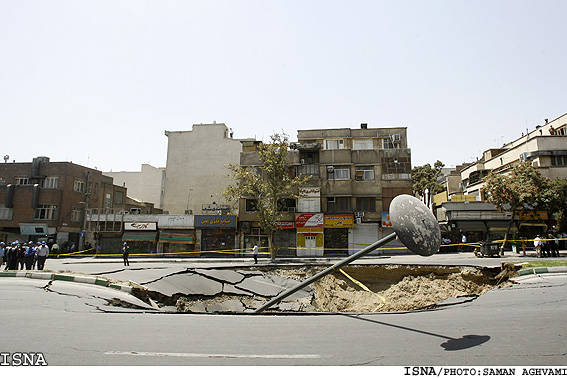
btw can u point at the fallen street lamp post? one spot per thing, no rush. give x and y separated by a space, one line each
414 225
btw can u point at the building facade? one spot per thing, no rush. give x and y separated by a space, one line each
463 208
147 185
354 175
45 200
196 171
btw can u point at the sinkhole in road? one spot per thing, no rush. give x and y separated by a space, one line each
364 288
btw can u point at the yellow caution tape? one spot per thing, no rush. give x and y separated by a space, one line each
364 288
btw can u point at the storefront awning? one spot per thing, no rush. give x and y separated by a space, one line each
177 236
139 236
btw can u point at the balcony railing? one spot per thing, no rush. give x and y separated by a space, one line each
309 169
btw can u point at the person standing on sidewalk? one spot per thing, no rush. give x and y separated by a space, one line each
42 254
537 245
125 253
2 254
29 256
255 253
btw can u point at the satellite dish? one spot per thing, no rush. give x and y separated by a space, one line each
415 225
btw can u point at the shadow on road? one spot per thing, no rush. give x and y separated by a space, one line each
452 344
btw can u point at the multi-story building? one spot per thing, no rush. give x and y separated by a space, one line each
146 185
355 174
47 200
196 171
465 211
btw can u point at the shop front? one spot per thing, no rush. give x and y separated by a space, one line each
217 234
336 234
285 239
176 234
310 234
141 237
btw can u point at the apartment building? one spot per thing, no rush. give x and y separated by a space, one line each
355 174
146 185
196 171
46 200
465 211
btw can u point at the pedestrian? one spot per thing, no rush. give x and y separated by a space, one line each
125 253
55 250
21 255
29 255
42 254
2 253
255 253
537 245
13 256
463 242
553 248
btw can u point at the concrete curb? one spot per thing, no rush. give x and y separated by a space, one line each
543 270
65 277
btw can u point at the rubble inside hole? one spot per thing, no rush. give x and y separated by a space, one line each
403 287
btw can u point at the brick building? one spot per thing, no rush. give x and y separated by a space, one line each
45 200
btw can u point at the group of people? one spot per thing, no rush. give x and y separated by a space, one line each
20 256
547 246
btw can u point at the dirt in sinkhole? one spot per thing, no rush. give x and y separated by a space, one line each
400 287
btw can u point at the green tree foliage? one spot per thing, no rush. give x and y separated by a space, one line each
522 189
271 183
558 207
424 181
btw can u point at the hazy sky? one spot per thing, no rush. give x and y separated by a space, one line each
98 82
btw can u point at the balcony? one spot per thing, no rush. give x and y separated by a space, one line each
310 169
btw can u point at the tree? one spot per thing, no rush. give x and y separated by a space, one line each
424 181
558 206
268 185
524 188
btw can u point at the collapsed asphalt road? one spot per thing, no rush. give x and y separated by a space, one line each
357 289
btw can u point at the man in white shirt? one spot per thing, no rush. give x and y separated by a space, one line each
42 254
537 244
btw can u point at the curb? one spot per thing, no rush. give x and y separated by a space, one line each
66 278
542 270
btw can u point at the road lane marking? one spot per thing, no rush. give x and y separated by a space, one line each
213 355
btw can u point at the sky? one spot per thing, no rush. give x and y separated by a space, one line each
99 82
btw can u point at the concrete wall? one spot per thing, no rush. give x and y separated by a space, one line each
146 185
196 167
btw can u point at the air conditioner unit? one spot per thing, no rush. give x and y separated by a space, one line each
136 211
359 178
396 138
302 161
291 209
330 169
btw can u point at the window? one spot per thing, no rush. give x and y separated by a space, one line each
388 143
364 173
108 201
251 205
365 204
79 185
287 205
45 212
334 144
338 172
22 180
6 213
118 198
76 214
363 144
338 204
559 160
50 182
